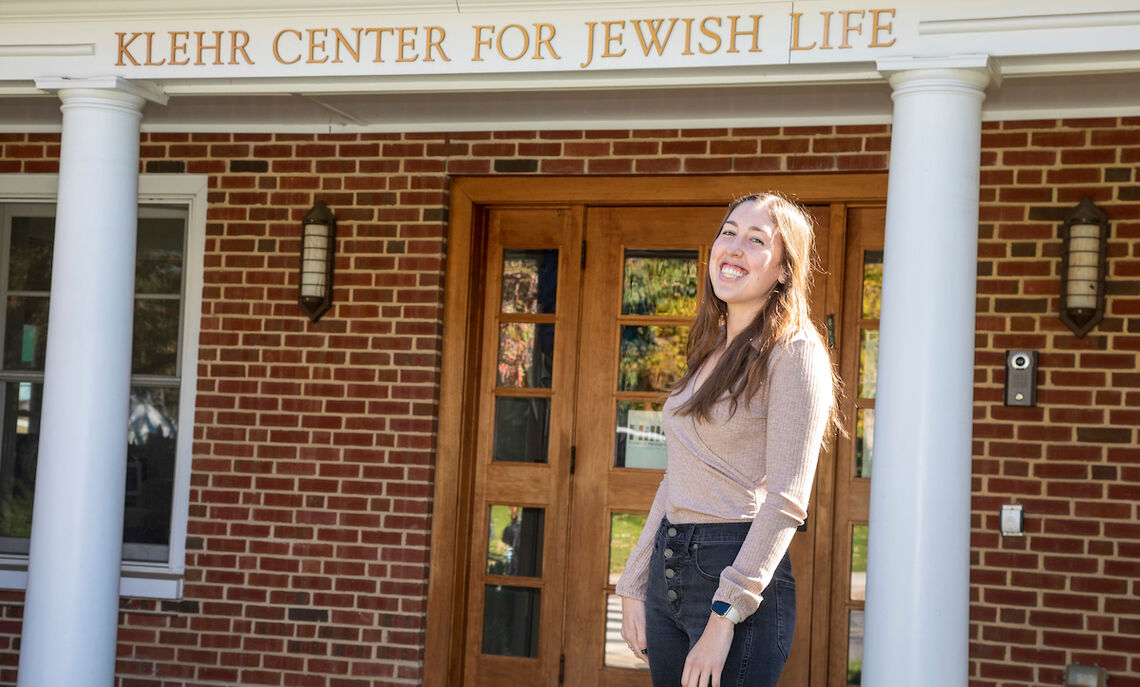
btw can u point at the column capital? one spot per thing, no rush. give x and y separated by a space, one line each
142 90
920 73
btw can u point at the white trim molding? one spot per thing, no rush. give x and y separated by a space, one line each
161 580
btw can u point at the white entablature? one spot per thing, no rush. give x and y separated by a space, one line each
507 64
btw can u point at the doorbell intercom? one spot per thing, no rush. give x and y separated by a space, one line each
1021 378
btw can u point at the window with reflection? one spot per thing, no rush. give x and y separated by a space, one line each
864 441
522 429
526 355
639 438
870 306
659 282
514 541
858 562
854 648
530 281
510 620
26 234
872 284
652 357
625 528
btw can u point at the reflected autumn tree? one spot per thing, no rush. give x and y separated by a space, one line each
652 358
660 283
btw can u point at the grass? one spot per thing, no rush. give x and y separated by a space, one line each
859 549
625 528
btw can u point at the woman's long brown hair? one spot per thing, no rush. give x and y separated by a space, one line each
742 369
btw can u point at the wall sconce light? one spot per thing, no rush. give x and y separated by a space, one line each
318 246
1084 239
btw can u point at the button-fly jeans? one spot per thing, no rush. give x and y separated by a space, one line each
684 573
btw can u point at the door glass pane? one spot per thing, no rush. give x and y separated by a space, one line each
858 562
639 439
152 432
158 261
864 441
510 621
618 654
868 362
29 261
855 649
154 350
21 440
660 282
625 528
526 353
530 281
652 357
25 336
514 544
521 429
872 283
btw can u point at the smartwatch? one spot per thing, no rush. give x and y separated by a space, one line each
726 611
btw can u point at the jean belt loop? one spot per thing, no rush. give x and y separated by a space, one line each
687 533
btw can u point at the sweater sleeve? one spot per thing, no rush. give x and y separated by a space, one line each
799 401
635 578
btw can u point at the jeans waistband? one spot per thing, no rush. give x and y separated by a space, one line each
707 532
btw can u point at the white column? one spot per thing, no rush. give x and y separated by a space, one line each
72 602
918 596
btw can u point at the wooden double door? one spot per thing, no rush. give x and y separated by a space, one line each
577 315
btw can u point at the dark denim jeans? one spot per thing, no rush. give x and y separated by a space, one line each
684 573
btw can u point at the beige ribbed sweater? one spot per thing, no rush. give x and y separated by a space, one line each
757 465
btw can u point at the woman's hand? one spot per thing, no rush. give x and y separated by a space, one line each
633 626
705 662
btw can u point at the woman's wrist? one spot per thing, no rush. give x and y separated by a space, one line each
720 625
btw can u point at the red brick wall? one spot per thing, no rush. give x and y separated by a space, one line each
1069 591
313 467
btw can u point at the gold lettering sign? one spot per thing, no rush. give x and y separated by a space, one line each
614 41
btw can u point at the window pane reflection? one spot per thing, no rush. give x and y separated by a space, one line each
522 427
510 621
158 260
526 354
855 649
652 358
530 281
154 348
659 282
639 441
864 441
858 562
618 654
868 362
152 432
872 284
30 251
514 544
21 439
625 528
25 335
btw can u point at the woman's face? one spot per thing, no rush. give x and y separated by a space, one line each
747 257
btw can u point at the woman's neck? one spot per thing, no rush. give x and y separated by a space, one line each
737 320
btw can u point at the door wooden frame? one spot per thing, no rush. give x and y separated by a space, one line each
451 516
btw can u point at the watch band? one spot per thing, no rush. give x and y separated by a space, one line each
726 611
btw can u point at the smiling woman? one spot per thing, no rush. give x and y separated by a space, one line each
708 590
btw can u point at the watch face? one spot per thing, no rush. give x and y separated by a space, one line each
721 607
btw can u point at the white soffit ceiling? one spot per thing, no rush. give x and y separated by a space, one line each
1097 95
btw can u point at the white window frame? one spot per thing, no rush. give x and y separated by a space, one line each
145 579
